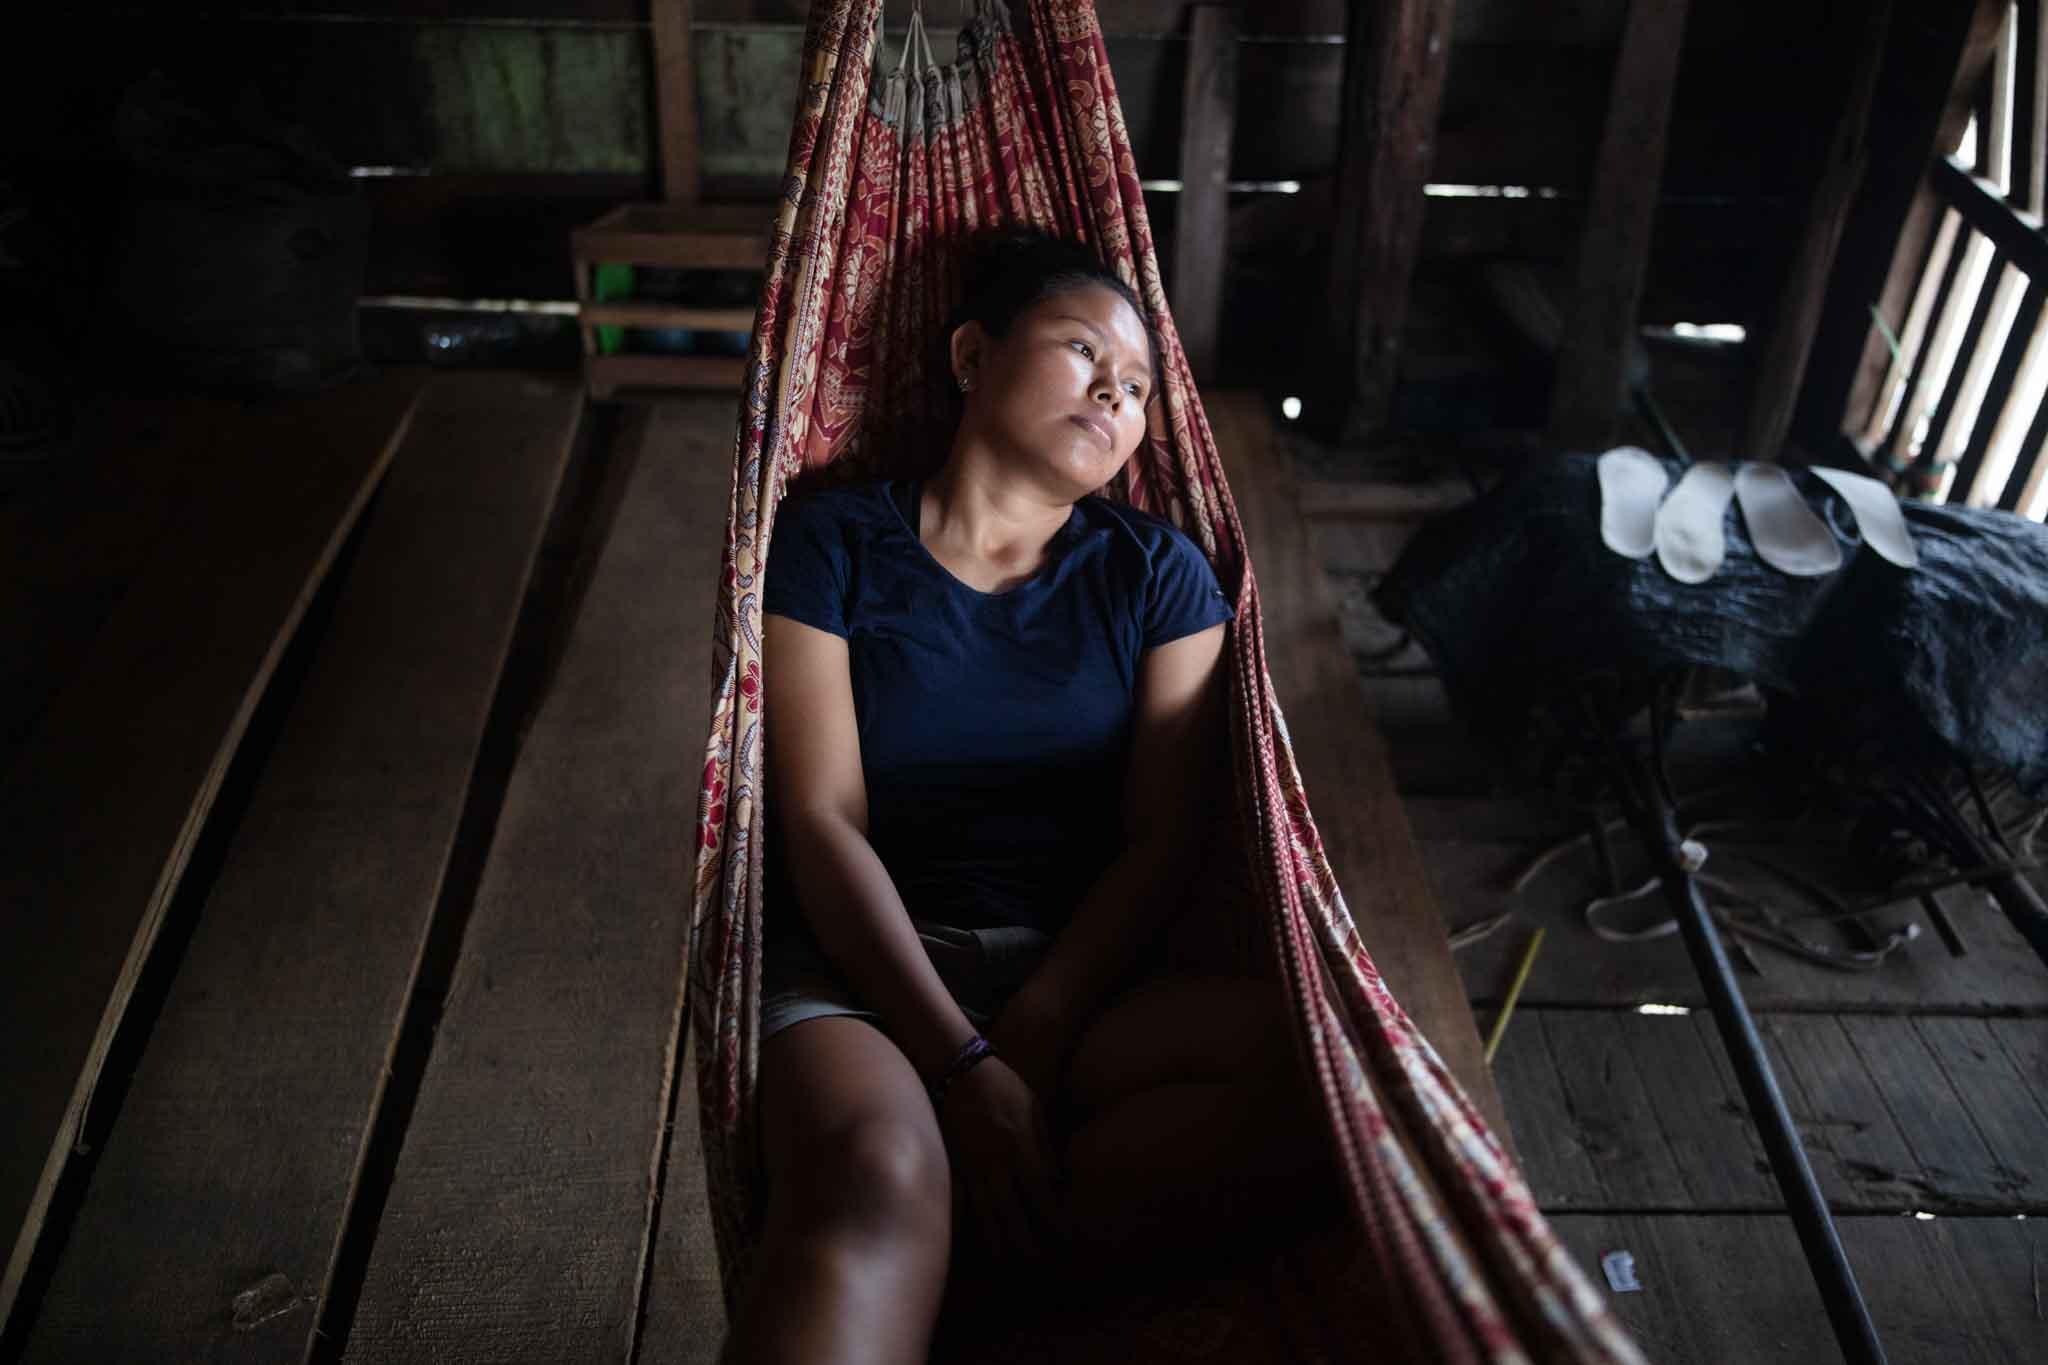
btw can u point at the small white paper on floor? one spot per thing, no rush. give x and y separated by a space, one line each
1690 542
1632 481
1877 515
1620 1269
1786 533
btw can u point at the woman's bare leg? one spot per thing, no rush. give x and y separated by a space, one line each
852 1261
1197 1121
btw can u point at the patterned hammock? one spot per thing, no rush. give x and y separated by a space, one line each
844 379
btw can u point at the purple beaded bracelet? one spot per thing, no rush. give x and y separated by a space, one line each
975 1050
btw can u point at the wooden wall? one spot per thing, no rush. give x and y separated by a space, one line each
511 120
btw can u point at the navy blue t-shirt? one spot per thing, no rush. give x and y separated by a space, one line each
995 728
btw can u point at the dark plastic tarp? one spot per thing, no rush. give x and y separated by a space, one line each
1520 602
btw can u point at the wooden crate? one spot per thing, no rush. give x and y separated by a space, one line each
677 236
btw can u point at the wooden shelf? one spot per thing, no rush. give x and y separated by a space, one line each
689 236
632 313
676 236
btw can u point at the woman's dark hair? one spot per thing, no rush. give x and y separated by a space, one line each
1006 270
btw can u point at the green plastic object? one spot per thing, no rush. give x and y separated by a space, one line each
608 283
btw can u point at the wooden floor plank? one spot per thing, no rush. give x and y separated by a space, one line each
1956 1318
1722 1288
2002 1103
1517 820
1857 1151
1343 760
73 535
101 805
2005 1261
1653 1104
1621 1130
2025 1041
517 1221
685 1315
1934 1120
240 1139
1691 1088
1556 1163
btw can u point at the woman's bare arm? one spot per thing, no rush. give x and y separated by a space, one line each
846 895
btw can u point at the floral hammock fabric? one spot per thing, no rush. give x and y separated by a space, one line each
886 174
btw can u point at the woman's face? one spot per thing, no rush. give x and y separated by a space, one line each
1065 390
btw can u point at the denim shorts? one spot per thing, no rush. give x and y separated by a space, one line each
981 967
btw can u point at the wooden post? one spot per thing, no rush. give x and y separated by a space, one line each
1394 62
1614 249
1783 363
1200 238
675 100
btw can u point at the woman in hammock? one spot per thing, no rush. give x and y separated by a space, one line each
998 722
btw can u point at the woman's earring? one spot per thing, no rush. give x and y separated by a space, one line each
965 385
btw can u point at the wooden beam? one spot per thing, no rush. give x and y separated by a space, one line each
1394 63
1200 239
1783 363
675 99
1935 54
1614 251
1986 210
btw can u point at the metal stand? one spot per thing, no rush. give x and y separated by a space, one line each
1647 803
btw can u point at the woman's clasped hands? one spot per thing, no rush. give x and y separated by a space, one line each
1007 1176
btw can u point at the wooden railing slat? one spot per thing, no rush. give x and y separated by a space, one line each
1935 318
1913 328
2026 466
1999 392
1965 361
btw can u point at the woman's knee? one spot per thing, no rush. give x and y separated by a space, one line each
1181 1028
874 1174
849 1136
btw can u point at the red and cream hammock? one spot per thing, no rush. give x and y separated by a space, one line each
886 174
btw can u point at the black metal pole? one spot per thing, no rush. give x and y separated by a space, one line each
1656 823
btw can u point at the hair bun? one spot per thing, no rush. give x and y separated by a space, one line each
998 251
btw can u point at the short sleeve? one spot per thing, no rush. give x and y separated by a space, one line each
1183 595
807 565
